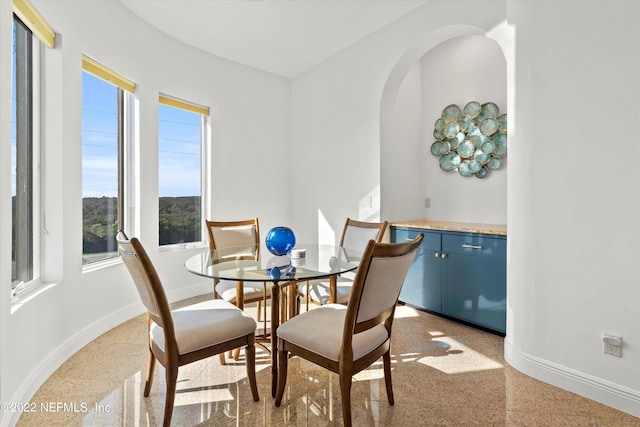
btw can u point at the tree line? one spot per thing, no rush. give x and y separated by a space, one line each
179 222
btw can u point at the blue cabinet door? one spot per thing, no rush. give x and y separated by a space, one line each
475 279
423 286
460 275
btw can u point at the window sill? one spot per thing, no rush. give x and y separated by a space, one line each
99 265
28 293
183 247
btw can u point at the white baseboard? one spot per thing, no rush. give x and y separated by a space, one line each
602 391
56 358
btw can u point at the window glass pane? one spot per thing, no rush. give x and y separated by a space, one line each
22 156
179 175
100 143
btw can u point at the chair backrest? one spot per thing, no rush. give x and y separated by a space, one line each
377 285
147 282
356 234
244 235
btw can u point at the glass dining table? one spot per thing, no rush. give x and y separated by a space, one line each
279 273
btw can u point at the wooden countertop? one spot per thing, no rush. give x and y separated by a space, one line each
466 227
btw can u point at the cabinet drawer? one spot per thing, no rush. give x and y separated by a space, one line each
430 241
474 244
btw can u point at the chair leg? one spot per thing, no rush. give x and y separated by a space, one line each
172 379
386 359
151 364
345 394
262 309
283 356
236 354
250 354
216 296
264 317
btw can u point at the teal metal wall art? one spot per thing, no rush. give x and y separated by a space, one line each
472 141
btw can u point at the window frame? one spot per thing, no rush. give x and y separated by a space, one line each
125 100
32 161
205 168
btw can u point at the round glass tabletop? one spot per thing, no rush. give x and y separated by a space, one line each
306 262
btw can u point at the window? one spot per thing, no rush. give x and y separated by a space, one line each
106 111
30 33
22 156
181 133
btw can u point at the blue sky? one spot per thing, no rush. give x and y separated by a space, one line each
179 144
99 138
179 152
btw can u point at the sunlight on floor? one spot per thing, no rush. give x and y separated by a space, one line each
447 354
429 355
403 311
203 395
453 357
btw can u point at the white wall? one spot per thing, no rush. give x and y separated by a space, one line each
403 155
456 71
250 117
574 203
460 70
336 111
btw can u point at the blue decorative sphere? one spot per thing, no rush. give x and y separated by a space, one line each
280 240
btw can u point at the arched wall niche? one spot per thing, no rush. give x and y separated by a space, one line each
413 97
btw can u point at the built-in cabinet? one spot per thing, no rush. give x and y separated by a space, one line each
459 274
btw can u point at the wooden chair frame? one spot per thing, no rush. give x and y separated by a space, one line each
240 297
345 366
158 312
240 300
349 223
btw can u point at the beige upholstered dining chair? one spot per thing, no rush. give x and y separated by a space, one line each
244 235
182 336
346 340
355 236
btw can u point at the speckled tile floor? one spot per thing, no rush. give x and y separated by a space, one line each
444 374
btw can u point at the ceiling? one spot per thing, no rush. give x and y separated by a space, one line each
284 37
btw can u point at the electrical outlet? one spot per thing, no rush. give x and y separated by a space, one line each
614 350
427 202
612 345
